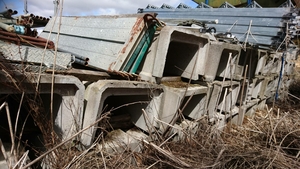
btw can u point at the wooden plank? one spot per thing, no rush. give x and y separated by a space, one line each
83 75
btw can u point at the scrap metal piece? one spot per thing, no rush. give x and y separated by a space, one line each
267 29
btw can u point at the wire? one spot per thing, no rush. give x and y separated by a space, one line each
4 4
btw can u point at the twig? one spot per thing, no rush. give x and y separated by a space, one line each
168 155
18 114
22 160
240 116
17 118
4 153
21 133
222 85
54 65
219 155
271 124
223 102
146 118
12 151
294 96
103 159
77 157
153 164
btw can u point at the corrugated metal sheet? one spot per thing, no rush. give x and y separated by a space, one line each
268 26
107 41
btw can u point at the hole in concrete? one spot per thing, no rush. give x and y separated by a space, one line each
129 109
179 57
32 138
251 59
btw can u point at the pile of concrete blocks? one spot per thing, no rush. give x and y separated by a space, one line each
183 75
191 75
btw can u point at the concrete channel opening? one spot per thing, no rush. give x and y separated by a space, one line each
123 101
179 57
182 53
30 137
196 106
128 109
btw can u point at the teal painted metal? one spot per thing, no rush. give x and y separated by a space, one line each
144 49
19 29
137 51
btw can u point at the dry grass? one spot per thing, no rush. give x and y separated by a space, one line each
264 141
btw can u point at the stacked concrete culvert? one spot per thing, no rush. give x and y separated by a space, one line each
164 77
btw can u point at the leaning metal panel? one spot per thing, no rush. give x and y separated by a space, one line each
106 40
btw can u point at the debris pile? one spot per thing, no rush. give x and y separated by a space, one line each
156 75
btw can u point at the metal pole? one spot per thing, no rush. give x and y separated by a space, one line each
249 2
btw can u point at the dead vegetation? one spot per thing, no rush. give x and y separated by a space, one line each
268 140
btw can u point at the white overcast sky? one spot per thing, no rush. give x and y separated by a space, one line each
87 7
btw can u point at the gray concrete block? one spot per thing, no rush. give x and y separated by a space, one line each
181 52
68 99
271 85
271 64
259 87
217 102
129 96
218 58
174 98
289 66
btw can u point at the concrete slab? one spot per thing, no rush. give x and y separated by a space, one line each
68 99
175 97
126 96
